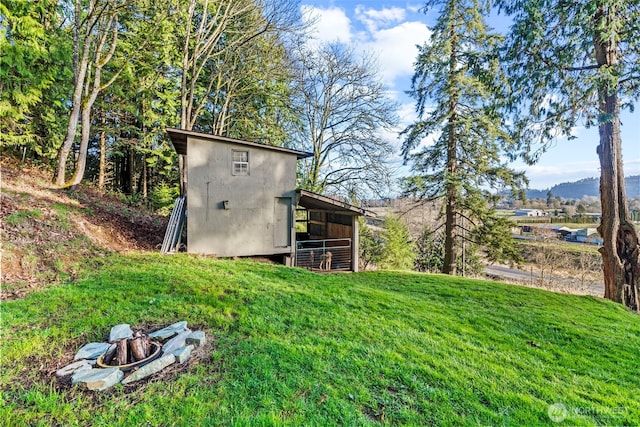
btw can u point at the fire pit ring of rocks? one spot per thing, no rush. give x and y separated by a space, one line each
155 352
132 352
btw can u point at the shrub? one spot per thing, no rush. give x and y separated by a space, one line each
163 197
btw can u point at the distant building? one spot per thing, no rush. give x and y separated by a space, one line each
529 212
588 235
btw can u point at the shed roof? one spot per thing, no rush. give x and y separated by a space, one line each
310 200
179 140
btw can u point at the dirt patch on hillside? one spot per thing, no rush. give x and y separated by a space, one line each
49 234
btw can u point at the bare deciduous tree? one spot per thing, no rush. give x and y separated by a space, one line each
210 33
95 37
345 111
97 29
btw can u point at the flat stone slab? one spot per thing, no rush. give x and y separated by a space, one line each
92 350
183 353
196 338
119 332
150 368
176 342
98 379
169 331
81 365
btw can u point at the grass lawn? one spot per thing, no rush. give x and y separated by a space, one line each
294 347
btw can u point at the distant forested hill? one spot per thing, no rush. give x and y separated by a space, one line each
584 187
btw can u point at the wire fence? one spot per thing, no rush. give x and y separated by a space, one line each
324 255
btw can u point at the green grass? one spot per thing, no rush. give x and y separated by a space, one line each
293 347
22 216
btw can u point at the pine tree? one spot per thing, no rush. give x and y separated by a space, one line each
459 89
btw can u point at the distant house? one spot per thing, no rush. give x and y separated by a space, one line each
242 200
565 232
529 212
588 235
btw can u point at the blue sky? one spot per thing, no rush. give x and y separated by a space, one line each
392 29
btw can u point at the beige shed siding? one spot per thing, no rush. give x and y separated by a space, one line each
282 222
248 226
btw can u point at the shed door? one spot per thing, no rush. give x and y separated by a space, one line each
282 222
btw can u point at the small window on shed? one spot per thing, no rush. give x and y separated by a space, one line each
240 163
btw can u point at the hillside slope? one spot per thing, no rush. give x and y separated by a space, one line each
584 187
292 347
47 232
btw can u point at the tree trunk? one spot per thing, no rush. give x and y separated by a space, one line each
451 211
450 254
125 165
65 149
184 103
80 72
102 170
132 171
451 188
86 130
621 263
144 178
620 249
450 247
84 147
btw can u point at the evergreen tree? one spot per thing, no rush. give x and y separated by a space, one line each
459 90
580 61
370 245
429 252
131 115
397 248
34 51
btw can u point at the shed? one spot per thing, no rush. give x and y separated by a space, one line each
242 200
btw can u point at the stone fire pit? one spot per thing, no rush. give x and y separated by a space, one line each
129 356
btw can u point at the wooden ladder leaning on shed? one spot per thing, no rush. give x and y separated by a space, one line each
174 228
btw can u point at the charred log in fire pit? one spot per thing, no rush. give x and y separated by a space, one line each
130 352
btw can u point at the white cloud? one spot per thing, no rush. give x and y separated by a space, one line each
415 7
632 167
377 18
330 24
385 34
396 48
407 113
